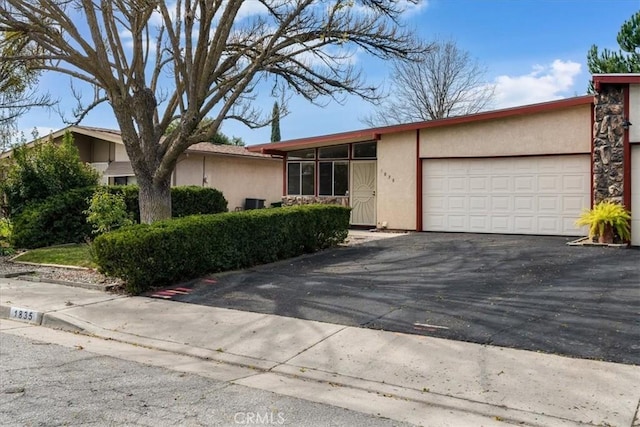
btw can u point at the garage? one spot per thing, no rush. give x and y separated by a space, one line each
511 195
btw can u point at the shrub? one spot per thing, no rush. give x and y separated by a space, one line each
178 249
43 224
56 220
192 200
185 201
5 237
107 212
36 172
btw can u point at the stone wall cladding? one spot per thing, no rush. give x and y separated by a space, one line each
608 144
309 200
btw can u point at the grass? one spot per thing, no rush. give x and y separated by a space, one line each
72 255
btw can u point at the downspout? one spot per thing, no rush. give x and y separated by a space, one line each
418 184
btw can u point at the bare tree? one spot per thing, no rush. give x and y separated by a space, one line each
17 78
217 54
445 82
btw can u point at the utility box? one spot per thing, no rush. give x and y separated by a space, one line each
253 204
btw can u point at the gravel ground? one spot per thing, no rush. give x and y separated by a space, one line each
55 273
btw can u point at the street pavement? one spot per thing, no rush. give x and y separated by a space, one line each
408 378
74 384
527 292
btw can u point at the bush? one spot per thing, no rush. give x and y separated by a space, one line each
36 172
43 224
179 249
107 212
185 201
57 220
192 200
5 237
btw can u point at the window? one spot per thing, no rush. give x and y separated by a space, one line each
124 180
364 150
333 178
300 178
302 154
334 152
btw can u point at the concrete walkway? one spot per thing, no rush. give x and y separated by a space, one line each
415 379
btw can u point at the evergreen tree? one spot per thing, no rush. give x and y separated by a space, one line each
627 60
275 123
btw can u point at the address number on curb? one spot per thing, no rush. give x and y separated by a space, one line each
25 315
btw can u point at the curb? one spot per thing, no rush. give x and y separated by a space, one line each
89 286
48 320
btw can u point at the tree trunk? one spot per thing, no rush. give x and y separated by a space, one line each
155 200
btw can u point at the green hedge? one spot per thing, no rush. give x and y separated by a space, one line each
185 201
173 250
56 220
60 219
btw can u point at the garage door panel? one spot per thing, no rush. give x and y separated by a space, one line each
524 224
479 204
457 222
527 195
479 224
574 182
523 203
500 183
501 204
525 183
458 185
549 184
549 204
501 224
458 204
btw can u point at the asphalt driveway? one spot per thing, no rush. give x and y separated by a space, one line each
527 292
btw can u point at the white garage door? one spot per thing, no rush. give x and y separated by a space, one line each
519 195
635 194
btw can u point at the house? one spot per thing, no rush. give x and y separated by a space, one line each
237 172
524 170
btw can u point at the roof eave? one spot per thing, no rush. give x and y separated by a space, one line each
376 133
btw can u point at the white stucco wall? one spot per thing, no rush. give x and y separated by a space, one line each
634 113
555 132
396 181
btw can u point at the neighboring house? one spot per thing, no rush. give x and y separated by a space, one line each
237 172
523 170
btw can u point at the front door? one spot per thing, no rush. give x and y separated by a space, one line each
363 193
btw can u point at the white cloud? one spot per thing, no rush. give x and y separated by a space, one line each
544 83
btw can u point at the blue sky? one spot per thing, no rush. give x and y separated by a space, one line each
534 51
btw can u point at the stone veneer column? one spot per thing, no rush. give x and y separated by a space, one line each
608 144
308 200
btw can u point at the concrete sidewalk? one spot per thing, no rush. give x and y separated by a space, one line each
415 379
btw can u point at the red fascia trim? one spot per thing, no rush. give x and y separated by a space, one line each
418 183
376 133
626 155
362 135
623 79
